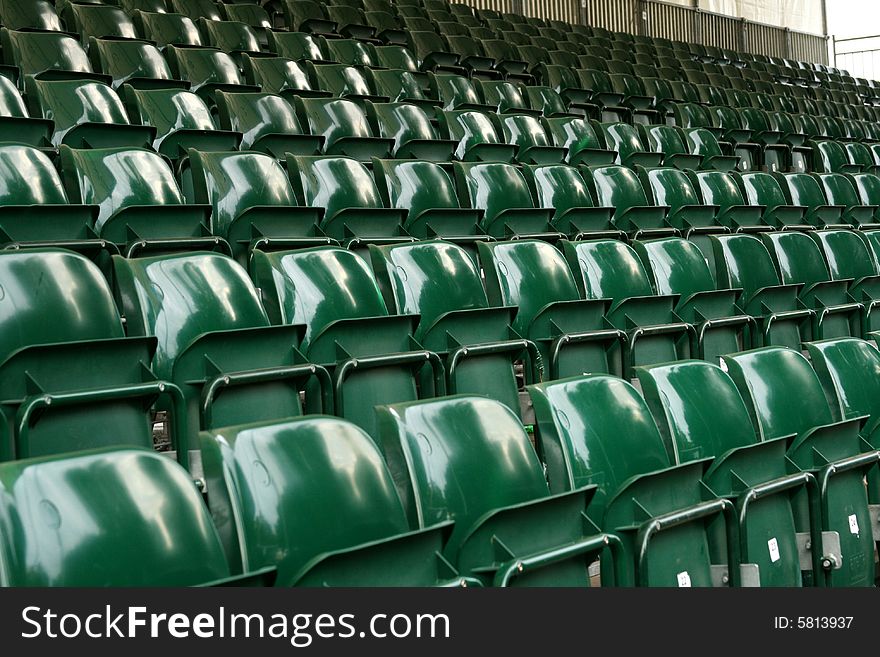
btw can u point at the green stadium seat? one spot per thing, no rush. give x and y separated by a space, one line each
35 15
505 97
167 29
611 270
840 190
99 21
307 16
252 201
432 52
181 119
804 190
159 515
502 193
702 142
571 333
207 70
832 157
441 284
624 140
761 188
372 355
343 81
351 22
742 262
600 91
720 189
456 92
528 133
799 261
280 75
361 539
701 414
344 126
507 60
472 56
352 206
578 137
618 187
230 36
564 82
388 28
475 135
298 46
867 187
250 14
351 52
15 123
596 429
47 55
669 142
137 63
197 9
402 87
215 343
492 485
831 451
427 194
411 130
86 114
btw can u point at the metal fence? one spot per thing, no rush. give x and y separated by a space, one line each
860 56
660 19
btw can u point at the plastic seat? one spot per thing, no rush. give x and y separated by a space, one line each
618 187
501 192
624 140
720 189
207 70
701 415
230 36
547 540
432 52
411 130
253 203
472 56
476 137
181 119
456 92
214 342
47 55
562 188
611 270
601 92
505 97
398 57
564 81
799 261
352 206
351 52
798 410
34 15
507 60
402 87
298 46
372 355
362 539
571 333
669 142
760 188
250 14
742 262
160 513
528 134
267 123
344 127
703 143
280 75
15 123
94 20
344 81
86 114
867 187
849 258
860 155
596 429
137 63
673 189
578 137
351 22
427 194
805 190
440 283
387 26
197 9
166 29
831 157
141 208
307 16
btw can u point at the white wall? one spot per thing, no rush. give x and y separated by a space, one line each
800 15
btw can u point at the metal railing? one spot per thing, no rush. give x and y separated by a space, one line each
860 56
655 18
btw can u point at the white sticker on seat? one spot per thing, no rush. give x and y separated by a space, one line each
684 580
853 524
774 550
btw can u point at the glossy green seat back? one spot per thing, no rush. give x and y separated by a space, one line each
545 99
429 279
849 370
504 96
102 21
204 66
231 36
37 52
804 190
179 297
459 458
523 130
11 103
868 187
797 257
35 15
846 254
341 80
560 187
117 178
288 492
29 178
580 430
414 185
350 51
617 187
334 119
170 110
781 390
397 85
469 128
671 187
402 122
839 190
609 269
125 60
528 274
742 261
719 188
762 189
492 186
170 29
315 287
256 115
251 14
297 45
573 133
333 183
455 90
676 265
702 142
832 155
108 518
69 103
196 9
621 137
664 139
234 182
276 74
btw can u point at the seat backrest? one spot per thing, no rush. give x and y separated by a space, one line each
38 52
849 370
742 261
797 257
664 139
29 178
121 517
572 133
169 110
491 186
297 46
402 122
528 274
839 189
256 115
558 186
234 182
333 183
608 269
230 36
617 187
72 102
447 454
276 74
675 266
697 408
101 21
333 118
340 79
621 137
718 188
846 253
396 85
350 51
782 392
169 29
117 178
179 297
34 15
316 287
804 190
523 130
670 187
414 186
762 189
321 480
429 279
503 95
468 128
203 66
128 60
